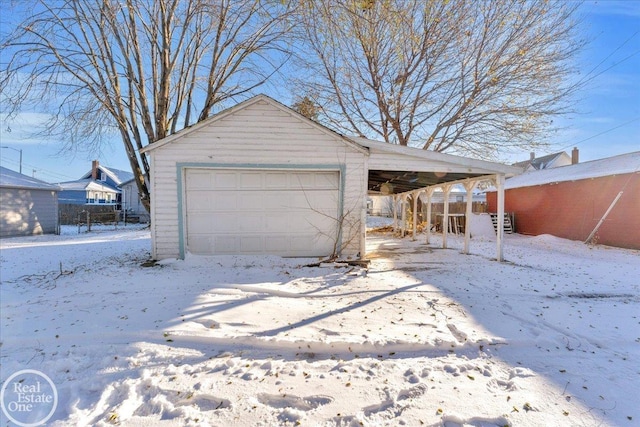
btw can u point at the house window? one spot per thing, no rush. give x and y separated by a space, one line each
103 177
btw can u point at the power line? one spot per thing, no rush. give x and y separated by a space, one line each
609 56
602 133
53 176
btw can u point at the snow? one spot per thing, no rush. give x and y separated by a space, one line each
423 336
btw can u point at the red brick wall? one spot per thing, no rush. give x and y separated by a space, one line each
572 209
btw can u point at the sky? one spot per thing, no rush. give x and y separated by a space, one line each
608 122
423 336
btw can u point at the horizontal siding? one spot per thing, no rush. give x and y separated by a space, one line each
257 135
28 212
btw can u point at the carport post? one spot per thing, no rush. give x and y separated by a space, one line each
469 186
416 195
403 226
429 194
445 217
500 224
395 212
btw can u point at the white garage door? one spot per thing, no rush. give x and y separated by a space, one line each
287 213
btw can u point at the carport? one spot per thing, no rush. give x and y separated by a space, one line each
404 172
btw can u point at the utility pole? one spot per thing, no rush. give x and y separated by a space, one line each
18 150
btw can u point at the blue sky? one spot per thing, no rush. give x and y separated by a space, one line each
608 122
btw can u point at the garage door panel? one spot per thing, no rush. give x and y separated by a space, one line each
225 180
250 200
199 180
289 213
276 180
251 244
251 181
275 222
223 222
202 201
250 222
276 202
315 223
224 244
199 244
327 181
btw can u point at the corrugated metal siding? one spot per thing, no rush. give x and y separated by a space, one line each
572 209
258 135
28 212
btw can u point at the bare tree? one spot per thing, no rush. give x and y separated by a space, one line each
464 76
144 68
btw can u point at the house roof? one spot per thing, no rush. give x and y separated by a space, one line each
617 165
543 162
394 168
12 179
87 184
117 175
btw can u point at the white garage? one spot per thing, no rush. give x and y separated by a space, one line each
261 211
259 178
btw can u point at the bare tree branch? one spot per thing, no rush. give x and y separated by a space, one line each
142 68
459 76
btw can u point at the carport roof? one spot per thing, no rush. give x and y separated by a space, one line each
395 169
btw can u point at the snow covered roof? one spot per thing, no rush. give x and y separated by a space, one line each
117 175
12 179
617 165
543 162
87 184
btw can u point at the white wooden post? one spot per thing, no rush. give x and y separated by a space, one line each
403 213
363 215
469 186
416 196
445 217
395 212
429 194
500 225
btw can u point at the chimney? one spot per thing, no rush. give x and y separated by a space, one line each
94 169
532 156
575 156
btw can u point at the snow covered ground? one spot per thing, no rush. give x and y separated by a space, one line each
424 336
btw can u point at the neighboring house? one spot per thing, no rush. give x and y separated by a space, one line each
88 192
259 178
28 206
99 186
380 205
570 201
549 161
131 203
